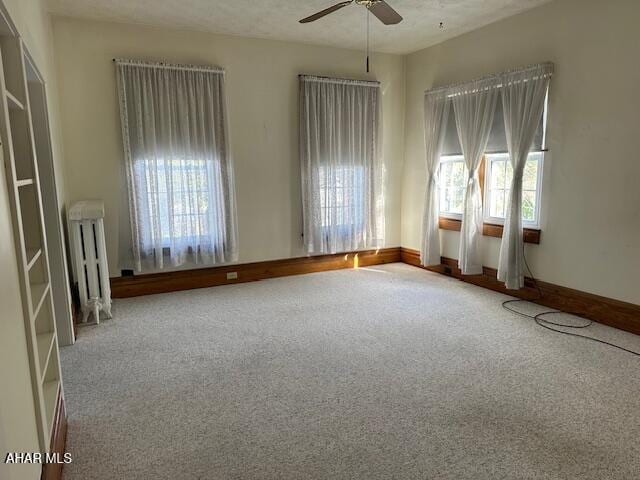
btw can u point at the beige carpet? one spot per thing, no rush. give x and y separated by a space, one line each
379 373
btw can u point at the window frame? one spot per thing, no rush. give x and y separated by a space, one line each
453 222
486 197
449 159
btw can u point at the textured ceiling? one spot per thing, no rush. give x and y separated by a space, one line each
278 19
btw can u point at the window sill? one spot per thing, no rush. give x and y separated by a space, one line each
530 235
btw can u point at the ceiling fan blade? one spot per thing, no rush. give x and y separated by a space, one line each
326 11
385 13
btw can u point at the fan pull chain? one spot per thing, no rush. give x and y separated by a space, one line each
368 16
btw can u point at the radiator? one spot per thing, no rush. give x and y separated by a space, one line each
90 270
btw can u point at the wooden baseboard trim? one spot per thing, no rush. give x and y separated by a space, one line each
53 471
615 313
122 287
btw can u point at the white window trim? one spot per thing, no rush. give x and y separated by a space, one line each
535 224
444 159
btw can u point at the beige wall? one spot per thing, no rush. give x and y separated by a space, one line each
591 199
18 430
262 97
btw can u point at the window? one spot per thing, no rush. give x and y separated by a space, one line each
498 176
179 171
179 193
497 173
497 180
340 165
452 176
342 197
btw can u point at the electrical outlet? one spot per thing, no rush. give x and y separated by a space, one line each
232 275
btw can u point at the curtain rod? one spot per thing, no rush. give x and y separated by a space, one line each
496 152
547 67
171 66
320 78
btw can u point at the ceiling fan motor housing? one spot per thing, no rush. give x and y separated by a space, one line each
367 3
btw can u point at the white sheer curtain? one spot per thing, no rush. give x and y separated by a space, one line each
523 99
436 114
341 164
178 165
474 105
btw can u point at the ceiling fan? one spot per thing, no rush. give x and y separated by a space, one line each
380 9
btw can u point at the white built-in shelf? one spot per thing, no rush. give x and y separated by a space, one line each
38 294
50 394
18 148
25 182
33 254
44 341
13 102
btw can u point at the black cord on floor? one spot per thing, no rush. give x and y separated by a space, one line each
548 324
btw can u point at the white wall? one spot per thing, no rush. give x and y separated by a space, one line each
262 91
18 430
591 199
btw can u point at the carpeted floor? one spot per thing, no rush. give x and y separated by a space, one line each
378 373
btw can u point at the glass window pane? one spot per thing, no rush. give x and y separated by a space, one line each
457 174
530 178
508 174
179 197
452 180
497 174
499 183
529 206
447 199
458 197
341 196
445 174
444 206
203 202
497 204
